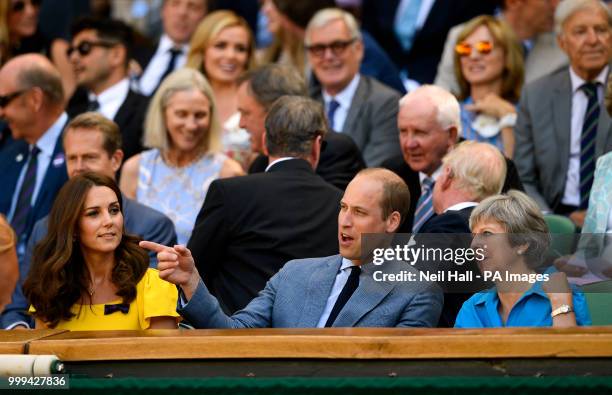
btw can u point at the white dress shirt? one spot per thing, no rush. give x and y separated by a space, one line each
341 279
344 99
112 98
283 159
158 64
571 195
461 206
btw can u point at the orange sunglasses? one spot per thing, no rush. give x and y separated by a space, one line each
465 49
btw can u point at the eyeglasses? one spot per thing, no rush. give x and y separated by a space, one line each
85 47
20 5
337 47
482 47
6 99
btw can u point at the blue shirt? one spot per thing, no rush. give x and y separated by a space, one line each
532 309
468 133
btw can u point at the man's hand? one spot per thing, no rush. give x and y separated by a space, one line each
175 265
577 217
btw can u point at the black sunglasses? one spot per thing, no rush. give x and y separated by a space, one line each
85 47
337 47
6 99
20 5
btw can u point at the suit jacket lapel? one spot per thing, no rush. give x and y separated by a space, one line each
360 97
318 289
366 297
562 110
125 110
55 171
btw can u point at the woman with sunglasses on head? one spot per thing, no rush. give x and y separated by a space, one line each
222 48
489 69
88 274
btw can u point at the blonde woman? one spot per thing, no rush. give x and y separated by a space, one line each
222 49
183 132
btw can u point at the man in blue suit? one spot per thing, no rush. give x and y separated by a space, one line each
92 142
340 290
33 164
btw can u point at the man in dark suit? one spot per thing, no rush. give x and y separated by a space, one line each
414 32
180 18
356 105
250 226
340 158
33 164
562 128
100 52
92 143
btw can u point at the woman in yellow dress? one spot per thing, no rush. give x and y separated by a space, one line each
87 274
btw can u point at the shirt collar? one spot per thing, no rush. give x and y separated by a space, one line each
434 176
117 92
344 97
278 161
461 206
577 82
346 263
166 43
490 296
48 140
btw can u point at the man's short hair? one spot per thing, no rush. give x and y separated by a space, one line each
481 178
267 83
448 111
567 8
328 15
112 140
395 196
292 126
47 79
110 30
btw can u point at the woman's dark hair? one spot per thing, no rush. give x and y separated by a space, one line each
59 277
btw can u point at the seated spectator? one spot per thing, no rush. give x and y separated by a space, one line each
561 128
91 143
88 274
513 235
340 158
356 105
222 48
100 52
489 68
333 291
9 268
532 22
183 132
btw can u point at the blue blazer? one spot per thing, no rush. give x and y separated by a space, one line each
296 296
11 163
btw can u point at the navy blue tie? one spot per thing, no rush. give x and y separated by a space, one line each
24 200
349 288
174 53
587 143
331 111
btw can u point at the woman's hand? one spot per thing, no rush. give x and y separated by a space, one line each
559 293
492 105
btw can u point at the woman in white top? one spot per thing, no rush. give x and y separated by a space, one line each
183 132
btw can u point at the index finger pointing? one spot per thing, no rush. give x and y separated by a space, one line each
155 247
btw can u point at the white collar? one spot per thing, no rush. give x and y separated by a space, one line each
461 206
434 176
345 96
278 161
345 264
577 82
166 44
117 92
46 143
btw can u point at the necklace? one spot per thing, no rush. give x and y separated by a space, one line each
91 290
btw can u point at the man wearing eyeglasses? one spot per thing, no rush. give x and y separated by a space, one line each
355 104
100 53
32 166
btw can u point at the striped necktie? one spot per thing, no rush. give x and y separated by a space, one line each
424 208
587 142
24 200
